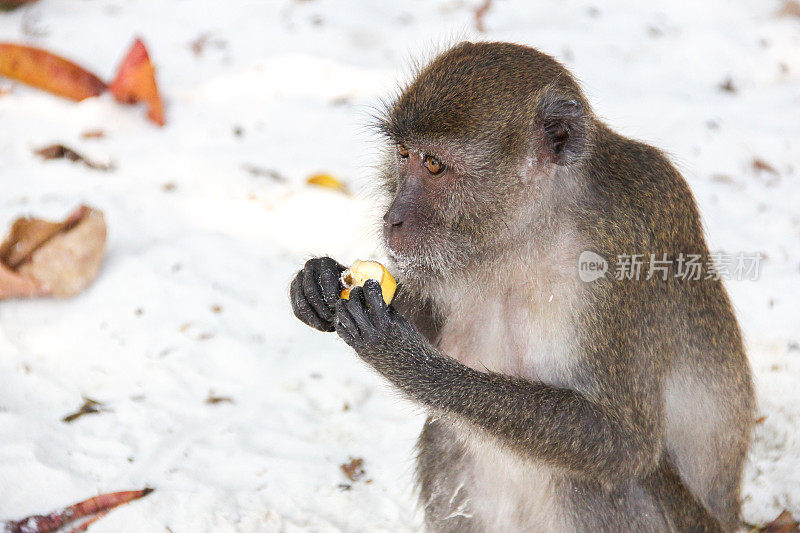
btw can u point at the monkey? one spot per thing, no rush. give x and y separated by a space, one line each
553 403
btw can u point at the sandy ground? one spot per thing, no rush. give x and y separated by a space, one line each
192 297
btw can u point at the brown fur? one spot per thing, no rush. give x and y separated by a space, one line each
631 341
555 404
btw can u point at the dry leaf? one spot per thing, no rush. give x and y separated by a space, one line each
728 86
790 8
93 134
48 72
12 285
354 470
98 506
13 4
136 82
761 165
59 151
52 258
8 5
213 399
785 523
326 181
480 13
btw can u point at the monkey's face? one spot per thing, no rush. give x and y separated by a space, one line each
449 206
473 139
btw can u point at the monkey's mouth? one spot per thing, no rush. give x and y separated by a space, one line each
420 260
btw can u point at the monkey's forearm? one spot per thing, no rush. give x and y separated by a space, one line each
556 425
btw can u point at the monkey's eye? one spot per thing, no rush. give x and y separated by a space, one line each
433 165
402 150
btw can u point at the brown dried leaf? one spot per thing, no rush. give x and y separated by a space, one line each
761 165
790 8
480 13
354 470
27 235
214 399
8 5
728 86
93 134
199 44
12 285
785 523
52 258
59 151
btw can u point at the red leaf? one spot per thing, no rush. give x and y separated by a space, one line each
48 72
136 82
98 505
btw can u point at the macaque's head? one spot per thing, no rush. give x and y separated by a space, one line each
476 143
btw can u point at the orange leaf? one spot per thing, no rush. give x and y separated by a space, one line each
48 72
136 82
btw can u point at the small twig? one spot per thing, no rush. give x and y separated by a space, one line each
480 12
89 407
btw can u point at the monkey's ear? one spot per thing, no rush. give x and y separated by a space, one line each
563 123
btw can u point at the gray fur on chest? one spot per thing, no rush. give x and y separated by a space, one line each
469 482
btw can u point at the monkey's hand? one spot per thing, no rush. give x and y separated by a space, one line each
314 292
378 333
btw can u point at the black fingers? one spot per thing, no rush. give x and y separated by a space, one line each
357 307
312 289
302 308
314 292
346 326
376 307
329 273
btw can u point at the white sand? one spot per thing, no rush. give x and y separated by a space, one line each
299 79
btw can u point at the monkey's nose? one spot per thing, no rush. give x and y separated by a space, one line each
392 220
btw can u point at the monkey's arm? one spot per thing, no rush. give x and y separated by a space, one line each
598 440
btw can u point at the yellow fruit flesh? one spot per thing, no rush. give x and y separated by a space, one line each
361 271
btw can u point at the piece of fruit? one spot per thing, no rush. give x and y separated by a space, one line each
358 274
